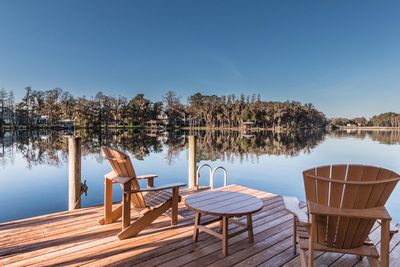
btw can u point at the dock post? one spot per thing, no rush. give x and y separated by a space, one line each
74 172
192 162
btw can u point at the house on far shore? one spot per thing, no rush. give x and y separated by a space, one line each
163 117
155 124
247 126
42 119
7 116
154 127
166 121
65 123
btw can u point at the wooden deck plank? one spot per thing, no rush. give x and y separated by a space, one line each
88 250
205 255
47 227
158 258
102 240
182 247
132 254
73 238
184 226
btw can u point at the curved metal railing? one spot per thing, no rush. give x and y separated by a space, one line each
198 173
212 175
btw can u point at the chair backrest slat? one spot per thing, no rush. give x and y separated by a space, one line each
358 228
322 198
310 186
122 167
338 172
343 232
354 173
374 200
311 189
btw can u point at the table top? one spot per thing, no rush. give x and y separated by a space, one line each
224 203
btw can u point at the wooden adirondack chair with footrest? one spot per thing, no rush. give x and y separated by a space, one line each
149 203
343 203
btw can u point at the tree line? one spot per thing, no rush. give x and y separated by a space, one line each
387 119
48 107
231 111
55 105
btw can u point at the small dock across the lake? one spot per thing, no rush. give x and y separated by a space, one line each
75 238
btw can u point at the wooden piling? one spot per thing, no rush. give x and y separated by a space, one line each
192 162
74 172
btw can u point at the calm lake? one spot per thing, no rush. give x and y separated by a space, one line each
34 166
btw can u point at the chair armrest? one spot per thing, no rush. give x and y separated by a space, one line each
292 206
157 188
393 228
110 175
147 176
371 213
117 179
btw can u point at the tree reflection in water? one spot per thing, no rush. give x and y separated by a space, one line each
383 136
231 145
51 147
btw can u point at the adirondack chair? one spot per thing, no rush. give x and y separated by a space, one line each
148 203
343 202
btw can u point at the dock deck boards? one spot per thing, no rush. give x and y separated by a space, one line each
75 238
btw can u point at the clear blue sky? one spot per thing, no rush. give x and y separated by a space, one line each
343 56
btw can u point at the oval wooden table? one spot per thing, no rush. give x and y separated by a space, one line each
225 205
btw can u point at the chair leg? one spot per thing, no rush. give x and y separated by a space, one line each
294 235
385 240
303 260
126 206
115 215
107 200
174 208
311 242
144 221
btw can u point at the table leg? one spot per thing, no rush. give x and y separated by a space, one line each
250 228
196 229
225 236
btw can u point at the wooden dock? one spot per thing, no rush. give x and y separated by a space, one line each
74 238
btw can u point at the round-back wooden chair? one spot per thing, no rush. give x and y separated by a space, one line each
343 204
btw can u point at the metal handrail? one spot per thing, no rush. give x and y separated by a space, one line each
198 173
213 173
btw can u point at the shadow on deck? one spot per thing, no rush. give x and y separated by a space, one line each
74 238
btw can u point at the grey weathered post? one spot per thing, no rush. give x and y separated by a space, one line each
74 172
192 162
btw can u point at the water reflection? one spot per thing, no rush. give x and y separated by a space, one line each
388 137
45 153
229 145
51 147
36 148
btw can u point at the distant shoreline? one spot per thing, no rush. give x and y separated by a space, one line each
201 128
367 128
143 127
